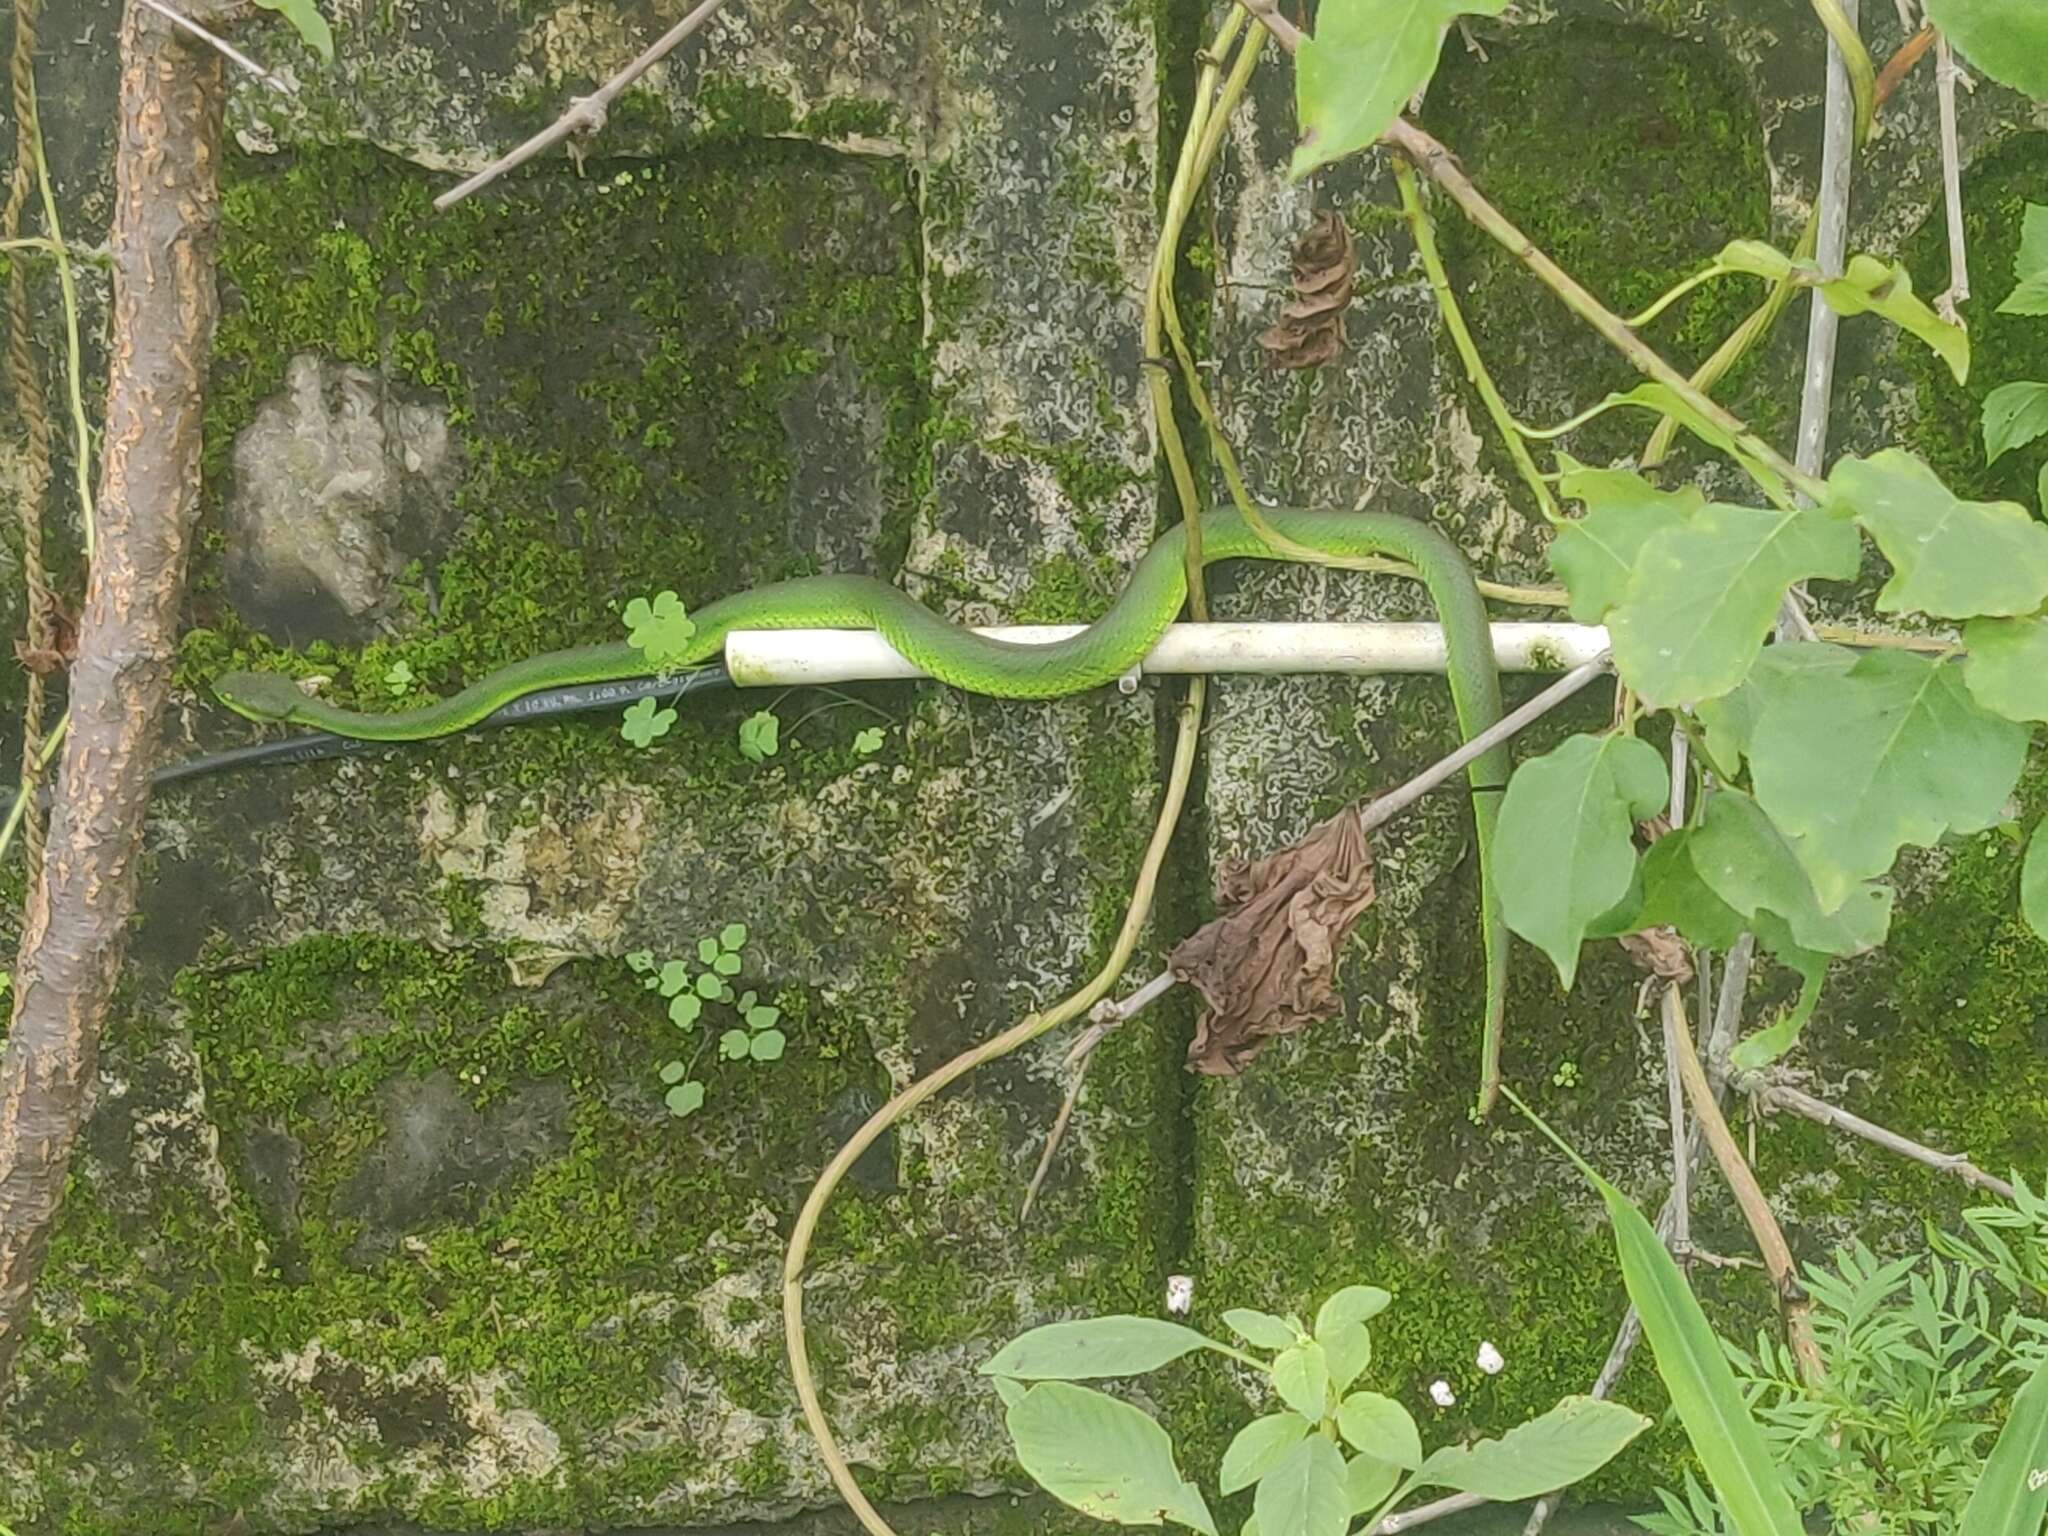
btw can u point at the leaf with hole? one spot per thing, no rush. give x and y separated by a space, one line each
1261 1330
1855 765
640 960
1094 1347
1706 592
1953 559
2007 39
2014 415
2029 294
1594 554
1353 77
1564 853
1254 1450
1575 1439
1301 1376
1103 1457
1306 1494
2007 668
1378 1427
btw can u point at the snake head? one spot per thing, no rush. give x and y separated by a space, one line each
259 695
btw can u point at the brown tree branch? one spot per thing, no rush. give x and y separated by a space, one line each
166 220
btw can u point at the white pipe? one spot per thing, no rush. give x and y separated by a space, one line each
761 658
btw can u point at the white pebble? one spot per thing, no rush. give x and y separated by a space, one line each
1180 1294
1490 1360
1441 1394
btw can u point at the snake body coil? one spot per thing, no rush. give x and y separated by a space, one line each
1108 648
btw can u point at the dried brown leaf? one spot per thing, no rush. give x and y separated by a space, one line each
1267 967
1310 330
1661 953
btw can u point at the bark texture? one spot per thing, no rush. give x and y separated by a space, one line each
166 220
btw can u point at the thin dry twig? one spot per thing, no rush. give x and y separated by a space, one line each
1958 290
227 49
586 114
1770 1094
1285 32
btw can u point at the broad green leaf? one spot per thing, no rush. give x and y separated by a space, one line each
2007 668
1854 766
1009 1390
1306 1494
1563 855
1730 720
1261 1330
2034 882
1745 860
1953 559
1347 1350
1301 1376
1369 1482
1705 594
1575 1439
1380 1428
1104 1457
1353 1304
1675 896
2007 39
2014 415
1257 1448
2011 1496
685 1099
1595 554
305 16
1666 401
768 1045
1094 1347
1351 79
1868 286
2029 295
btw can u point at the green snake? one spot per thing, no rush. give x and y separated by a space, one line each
1101 653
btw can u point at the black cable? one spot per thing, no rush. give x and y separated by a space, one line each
549 703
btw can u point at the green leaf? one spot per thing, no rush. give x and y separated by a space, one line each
1745 859
1261 1330
707 951
640 959
1381 1428
1094 1347
643 722
1666 401
1103 1457
674 976
1595 554
673 1071
1347 1350
2034 881
2030 266
1757 1050
305 17
2007 668
2014 415
761 1015
2011 1497
1255 1449
1730 720
1351 79
684 1008
1564 854
732 1045
1576 1438
1705 594
759 736
660 629
868 742
709 986
768 1045
1855 765
1306 1494
1675 896
1954 559
1368 1482
2007 39
733 936
1301 1376
726 964
1353 1304
685 1099
1011 1392
1868 286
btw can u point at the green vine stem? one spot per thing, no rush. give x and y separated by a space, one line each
1424 233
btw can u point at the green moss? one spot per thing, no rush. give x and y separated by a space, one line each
1630 199
1947 429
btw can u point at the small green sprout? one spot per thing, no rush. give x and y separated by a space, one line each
661 629
759 735
868 742
399 679
644 721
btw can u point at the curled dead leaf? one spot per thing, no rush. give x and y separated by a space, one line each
1310 330
1661 953
1267 967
